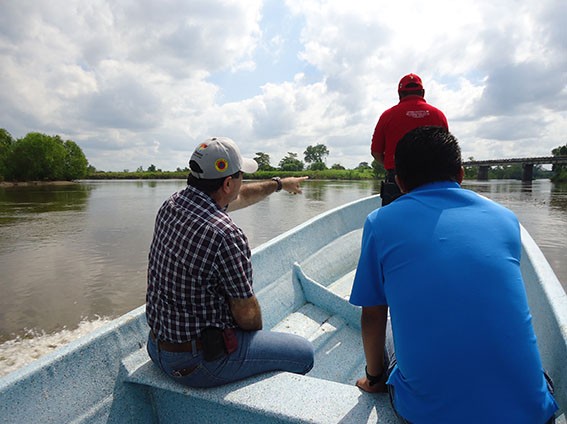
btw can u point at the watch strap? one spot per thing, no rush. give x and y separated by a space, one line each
278 180
374 379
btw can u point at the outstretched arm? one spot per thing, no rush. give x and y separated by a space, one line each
251 193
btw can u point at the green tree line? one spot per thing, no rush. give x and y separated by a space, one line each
312 165
314 161
40 157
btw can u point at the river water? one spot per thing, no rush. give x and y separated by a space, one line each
74 257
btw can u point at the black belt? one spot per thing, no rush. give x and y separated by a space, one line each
177 347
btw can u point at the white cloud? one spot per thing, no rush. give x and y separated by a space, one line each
136 83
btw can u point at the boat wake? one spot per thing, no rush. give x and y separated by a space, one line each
22 350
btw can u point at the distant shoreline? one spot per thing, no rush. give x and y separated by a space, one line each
35 183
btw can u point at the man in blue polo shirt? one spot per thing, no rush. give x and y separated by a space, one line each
446 263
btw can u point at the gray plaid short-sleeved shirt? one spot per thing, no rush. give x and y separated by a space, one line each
198 259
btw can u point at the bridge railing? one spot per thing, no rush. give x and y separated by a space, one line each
527 165
535 160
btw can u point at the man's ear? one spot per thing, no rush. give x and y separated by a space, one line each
226 184
461 175
400 184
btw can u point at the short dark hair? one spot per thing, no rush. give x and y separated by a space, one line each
206 186
427 154
405 93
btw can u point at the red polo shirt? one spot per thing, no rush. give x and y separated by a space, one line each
394 123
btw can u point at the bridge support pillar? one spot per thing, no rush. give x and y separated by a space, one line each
483 173
528 172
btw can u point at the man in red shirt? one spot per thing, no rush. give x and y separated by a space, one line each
411 112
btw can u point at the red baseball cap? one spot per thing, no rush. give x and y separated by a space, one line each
411 80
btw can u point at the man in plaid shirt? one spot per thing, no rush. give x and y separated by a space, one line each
205 321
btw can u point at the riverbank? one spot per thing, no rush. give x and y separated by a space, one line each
35 183
327 174
341 175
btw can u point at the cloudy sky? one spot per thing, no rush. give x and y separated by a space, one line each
142 82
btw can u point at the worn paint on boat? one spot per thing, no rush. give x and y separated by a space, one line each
302 279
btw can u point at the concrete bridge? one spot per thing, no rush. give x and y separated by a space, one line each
527 165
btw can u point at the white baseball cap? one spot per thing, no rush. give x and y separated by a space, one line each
219 157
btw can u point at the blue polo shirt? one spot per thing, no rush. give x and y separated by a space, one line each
447 263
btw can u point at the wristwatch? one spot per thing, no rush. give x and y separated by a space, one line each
374 379
279 181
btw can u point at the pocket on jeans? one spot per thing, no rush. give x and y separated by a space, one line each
184 372
178 365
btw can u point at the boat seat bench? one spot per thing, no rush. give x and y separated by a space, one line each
273 397
279 396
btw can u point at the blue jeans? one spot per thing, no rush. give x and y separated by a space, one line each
258 352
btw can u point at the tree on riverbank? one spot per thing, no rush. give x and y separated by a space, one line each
315 156
263 160
40 157
559 169
291 163
6 142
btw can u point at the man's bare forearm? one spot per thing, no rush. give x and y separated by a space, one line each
253 192
373 328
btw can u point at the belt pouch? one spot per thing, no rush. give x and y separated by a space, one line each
213 343
230 340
